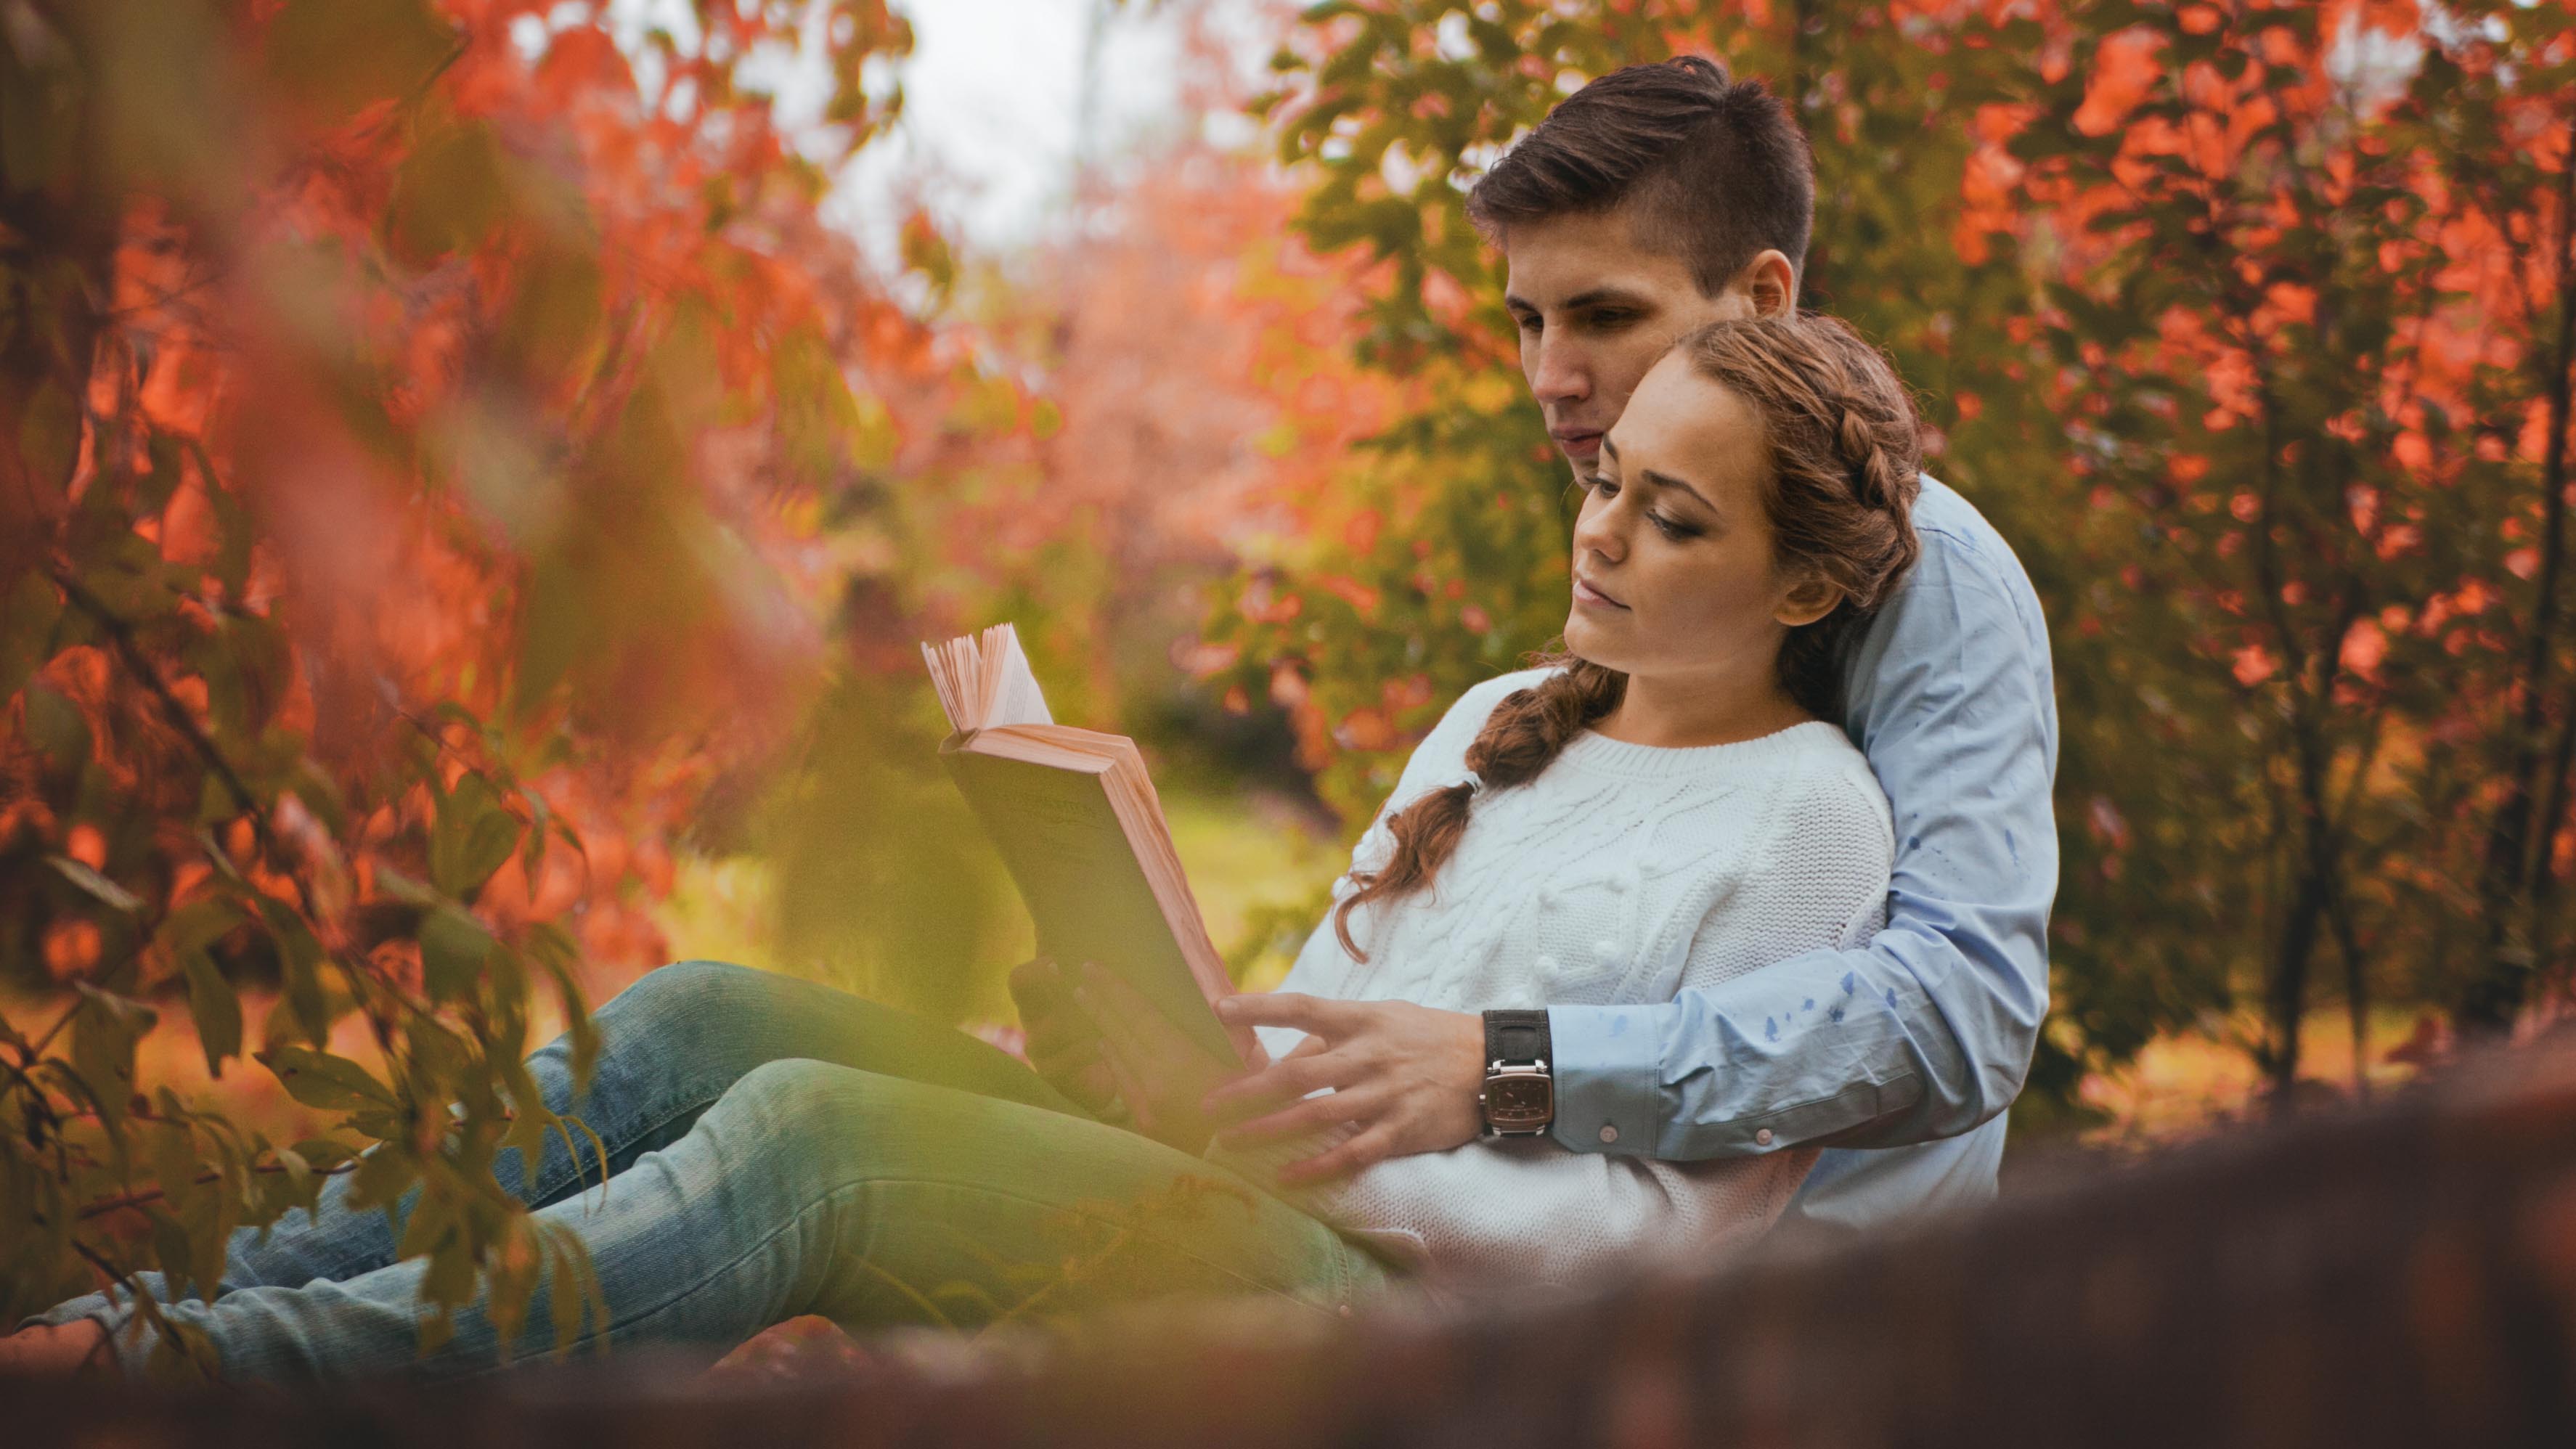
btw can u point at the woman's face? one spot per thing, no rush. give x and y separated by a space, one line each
1673 574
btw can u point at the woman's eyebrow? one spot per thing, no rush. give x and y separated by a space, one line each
1666 480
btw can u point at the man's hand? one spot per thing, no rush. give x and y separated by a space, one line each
1064 1042
1405 1076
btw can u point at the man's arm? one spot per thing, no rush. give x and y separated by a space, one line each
1928 1031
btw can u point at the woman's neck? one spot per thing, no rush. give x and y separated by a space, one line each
1677 714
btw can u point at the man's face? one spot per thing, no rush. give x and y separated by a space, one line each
1595 311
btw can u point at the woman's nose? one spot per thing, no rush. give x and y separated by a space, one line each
1597 531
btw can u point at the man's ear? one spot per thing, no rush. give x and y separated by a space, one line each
1771 284
1807 599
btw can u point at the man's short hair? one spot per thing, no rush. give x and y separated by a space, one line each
1709 169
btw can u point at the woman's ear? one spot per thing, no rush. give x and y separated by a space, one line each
1809 597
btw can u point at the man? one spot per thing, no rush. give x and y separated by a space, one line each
1650 202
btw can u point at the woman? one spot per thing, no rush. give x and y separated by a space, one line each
1662 805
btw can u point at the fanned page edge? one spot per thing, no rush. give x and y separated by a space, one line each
984 681
943 682
1139 809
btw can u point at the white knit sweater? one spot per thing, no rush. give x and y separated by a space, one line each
1621 874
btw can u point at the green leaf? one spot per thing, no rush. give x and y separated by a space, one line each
472 838
319 1079
172 1248
49 431
323 1153
27 618
105 1028
116 896
217 1009
453 948
55 726
198 924
431 1223
449 194
383 1176
336 57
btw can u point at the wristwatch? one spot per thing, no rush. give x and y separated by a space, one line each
1519 1099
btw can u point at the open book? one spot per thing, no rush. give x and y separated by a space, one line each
1079 827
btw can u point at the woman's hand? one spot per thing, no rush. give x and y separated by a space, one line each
1162 1075
1405 1076
1064 1042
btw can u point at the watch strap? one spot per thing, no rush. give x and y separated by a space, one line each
1517 1036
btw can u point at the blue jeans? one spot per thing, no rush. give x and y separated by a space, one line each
778 1148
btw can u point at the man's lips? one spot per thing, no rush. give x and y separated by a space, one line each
1580 442
1584 593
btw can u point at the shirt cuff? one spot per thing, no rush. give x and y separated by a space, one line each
1608 1071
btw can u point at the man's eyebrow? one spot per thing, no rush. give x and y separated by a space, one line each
1605 296
1597 297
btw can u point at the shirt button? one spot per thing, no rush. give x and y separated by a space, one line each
1762 1138
1609 1133
1545 963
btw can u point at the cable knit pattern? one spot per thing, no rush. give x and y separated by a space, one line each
1622 873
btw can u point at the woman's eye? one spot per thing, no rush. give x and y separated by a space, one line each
1674 531
1601 484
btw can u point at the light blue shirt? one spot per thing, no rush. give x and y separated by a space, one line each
1900 1057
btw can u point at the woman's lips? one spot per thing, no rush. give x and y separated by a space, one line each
1586 594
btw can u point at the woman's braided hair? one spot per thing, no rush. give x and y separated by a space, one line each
1845 452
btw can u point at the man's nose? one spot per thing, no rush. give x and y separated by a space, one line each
1561 372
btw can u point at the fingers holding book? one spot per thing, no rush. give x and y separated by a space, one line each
1161 1072
1063 1041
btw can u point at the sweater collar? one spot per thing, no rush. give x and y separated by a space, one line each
1598 754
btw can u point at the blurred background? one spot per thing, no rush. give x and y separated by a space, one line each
474 475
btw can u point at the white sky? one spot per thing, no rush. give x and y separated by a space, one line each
990 99
991 93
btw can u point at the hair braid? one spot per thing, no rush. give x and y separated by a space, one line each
1521 738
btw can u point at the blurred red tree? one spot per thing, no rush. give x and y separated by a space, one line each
405 413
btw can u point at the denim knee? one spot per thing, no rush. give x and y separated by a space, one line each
792 1092
687 1000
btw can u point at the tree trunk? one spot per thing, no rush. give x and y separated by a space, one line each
2285 995
2515 862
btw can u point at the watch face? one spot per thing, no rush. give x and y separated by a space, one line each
1519 1101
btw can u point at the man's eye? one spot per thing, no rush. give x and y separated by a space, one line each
1528 322
1610 321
